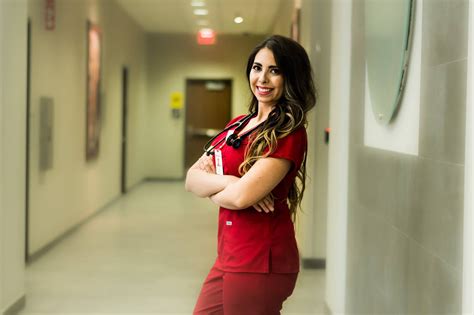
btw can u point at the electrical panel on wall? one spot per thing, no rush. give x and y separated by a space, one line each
46 133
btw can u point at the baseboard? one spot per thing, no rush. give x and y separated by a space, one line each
327 310
313 263
16 307
40 252
135 185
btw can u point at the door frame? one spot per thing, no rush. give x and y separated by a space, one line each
27 157
187 81
124 135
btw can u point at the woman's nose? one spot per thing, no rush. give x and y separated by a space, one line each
263 77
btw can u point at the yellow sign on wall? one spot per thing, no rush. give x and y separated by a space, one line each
176 100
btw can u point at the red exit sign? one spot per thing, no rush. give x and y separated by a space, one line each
206 36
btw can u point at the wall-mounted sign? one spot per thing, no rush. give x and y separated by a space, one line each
206 36
49 15
176 100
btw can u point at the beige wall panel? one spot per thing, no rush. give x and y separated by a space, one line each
12 146
74 189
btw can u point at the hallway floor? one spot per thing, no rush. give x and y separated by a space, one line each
147 253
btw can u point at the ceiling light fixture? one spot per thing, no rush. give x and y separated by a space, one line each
200 12
238 19
197 3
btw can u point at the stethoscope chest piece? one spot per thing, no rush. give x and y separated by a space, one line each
234 141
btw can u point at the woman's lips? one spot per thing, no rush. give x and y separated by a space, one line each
263 90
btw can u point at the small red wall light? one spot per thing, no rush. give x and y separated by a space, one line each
206 36
327 131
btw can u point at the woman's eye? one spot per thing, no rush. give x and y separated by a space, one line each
275 71
256 68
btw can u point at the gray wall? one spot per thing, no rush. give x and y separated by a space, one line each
405 213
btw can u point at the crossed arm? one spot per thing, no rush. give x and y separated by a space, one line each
231 192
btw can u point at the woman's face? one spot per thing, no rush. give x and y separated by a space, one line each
266 79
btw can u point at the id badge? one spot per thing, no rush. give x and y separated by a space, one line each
219 164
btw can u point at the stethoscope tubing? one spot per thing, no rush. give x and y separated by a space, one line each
209 149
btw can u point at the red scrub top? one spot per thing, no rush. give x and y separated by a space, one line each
252 241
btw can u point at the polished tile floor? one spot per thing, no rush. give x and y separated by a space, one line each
146 253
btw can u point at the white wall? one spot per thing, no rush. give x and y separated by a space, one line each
74 189
338 155
2 28
172 60
12 146
305 222
315 37
468 266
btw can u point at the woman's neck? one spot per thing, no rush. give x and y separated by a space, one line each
263 112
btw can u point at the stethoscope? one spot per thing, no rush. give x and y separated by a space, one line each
233 139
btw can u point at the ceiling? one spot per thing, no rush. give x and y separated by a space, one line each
176 16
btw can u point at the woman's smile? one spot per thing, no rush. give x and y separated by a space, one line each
266 79
263 90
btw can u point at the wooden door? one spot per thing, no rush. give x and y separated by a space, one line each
208 109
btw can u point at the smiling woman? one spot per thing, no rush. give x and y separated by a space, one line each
258 185
266 80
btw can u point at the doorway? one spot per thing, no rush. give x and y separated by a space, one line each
123 185
208 109
27 166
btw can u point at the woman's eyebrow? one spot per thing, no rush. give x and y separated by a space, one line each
259 64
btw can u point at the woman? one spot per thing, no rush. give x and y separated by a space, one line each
255 172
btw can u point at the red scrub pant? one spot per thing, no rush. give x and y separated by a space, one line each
240 293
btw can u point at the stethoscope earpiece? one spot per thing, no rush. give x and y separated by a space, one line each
234 141
237 143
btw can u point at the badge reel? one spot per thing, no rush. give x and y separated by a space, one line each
218 156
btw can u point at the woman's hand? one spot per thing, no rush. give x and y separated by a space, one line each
206 164
202 180
266 204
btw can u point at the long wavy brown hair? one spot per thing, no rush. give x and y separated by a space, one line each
299 96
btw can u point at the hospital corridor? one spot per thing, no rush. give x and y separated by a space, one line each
153 155
129 259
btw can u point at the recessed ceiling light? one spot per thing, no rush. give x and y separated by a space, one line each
200 12
197 3
238 19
